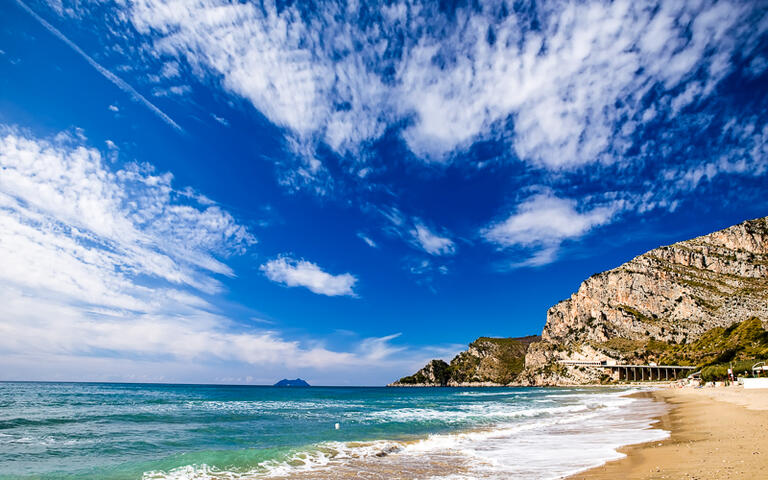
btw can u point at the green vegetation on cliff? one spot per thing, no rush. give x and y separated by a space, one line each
487 360
740 341
435 372
738 346
496 360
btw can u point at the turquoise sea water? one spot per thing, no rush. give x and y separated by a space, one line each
141 431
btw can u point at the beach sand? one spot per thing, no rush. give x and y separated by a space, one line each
716 433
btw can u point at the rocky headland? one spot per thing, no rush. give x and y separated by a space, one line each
488 362
673 304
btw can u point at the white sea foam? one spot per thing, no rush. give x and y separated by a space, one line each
579 431
485 412
266 405
562 445
495 393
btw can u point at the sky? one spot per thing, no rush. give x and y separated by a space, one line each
238 192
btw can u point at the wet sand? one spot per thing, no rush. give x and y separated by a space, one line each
716 433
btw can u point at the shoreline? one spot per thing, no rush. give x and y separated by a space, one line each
560 385
393 454
715 433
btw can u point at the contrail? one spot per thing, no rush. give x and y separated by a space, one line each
119 82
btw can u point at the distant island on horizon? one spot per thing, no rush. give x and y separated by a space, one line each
292 383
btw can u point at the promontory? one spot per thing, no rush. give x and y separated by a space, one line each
701 302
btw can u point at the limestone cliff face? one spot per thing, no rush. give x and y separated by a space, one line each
487 362
671 294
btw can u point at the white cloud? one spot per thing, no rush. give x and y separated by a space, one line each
173 90
574 85
102 274
367 240
413 231
570 86
542 222
54 187
424 267
43 329
749 158
431 242
114 108
190 334
219 119
86 247
170 70
301 273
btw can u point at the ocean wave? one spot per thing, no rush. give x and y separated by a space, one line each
532 443
44 441
485 412
257 406
491 394
323 455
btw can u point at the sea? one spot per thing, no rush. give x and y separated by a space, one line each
155 432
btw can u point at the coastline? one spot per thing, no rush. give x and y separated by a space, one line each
381 433
715 433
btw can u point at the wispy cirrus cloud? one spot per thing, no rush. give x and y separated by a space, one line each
748 157
108 266
627 93
60 192
302 273
573 77
541 223
415 232
93 257
431 242
368 240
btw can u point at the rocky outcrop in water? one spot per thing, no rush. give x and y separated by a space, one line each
670 295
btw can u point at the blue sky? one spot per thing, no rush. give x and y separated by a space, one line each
240 192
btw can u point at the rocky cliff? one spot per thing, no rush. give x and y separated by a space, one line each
487 362
671 295
434 374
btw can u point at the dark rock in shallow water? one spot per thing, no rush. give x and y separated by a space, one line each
291 383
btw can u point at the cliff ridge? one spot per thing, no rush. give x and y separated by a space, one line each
671 295
487 362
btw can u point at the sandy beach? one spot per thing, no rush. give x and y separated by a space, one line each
716 433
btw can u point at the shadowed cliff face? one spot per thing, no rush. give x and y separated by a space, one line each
672 294
487 362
